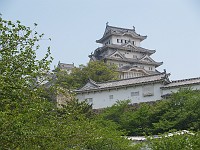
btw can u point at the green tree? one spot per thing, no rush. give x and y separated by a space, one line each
21 73
180 111
175 142
95 70
27 119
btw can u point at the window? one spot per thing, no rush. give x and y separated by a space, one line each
133 42
110 96
125 41
148 90
135 93
117 40
150 68
121 41
134 56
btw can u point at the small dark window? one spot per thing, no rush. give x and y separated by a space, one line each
110 96
133 42
117 40
135 93
121 41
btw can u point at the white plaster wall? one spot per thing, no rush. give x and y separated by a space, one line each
175 89
114 39
130 54
146 67
101 99
107 41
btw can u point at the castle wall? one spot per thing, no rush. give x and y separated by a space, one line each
176 89
117 40
136 94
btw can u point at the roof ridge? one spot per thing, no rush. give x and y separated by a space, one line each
121 28
131 78
188 79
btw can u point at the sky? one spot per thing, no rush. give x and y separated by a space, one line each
172 28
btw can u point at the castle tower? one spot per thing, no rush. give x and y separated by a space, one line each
121 46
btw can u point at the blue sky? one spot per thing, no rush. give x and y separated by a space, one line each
172 27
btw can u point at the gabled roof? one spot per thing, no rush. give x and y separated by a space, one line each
135 61
129 45
162 77
129 68
116 53
134 48
65 66
90 85
183 82
147 58
111 30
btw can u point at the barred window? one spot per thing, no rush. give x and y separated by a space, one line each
135 93
110 96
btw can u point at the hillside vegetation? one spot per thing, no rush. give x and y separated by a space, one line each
181 111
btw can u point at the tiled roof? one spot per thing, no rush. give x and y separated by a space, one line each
162 77
136 49
135 61
65 66
111 30
99 50
184 82
128 67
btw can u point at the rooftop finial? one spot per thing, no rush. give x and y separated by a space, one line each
133 28
107 23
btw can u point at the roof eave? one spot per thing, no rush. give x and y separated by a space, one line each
118 87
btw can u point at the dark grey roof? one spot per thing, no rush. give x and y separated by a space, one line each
100 50
136 61
65 66
111 30
183 82
98 53
128 67
162 77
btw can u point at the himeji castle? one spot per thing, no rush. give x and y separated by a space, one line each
121 47
140 81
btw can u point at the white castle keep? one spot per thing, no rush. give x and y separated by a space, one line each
121 46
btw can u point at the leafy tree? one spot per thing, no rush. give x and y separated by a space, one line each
20 72
175 142
27 119
137 121
95 70
180 111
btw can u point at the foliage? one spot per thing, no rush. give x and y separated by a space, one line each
20 72
175 142
36 125
27 119
95 70
181 111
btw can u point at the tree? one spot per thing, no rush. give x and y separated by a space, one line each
20 72
27 119
95 70
175 142
180 111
